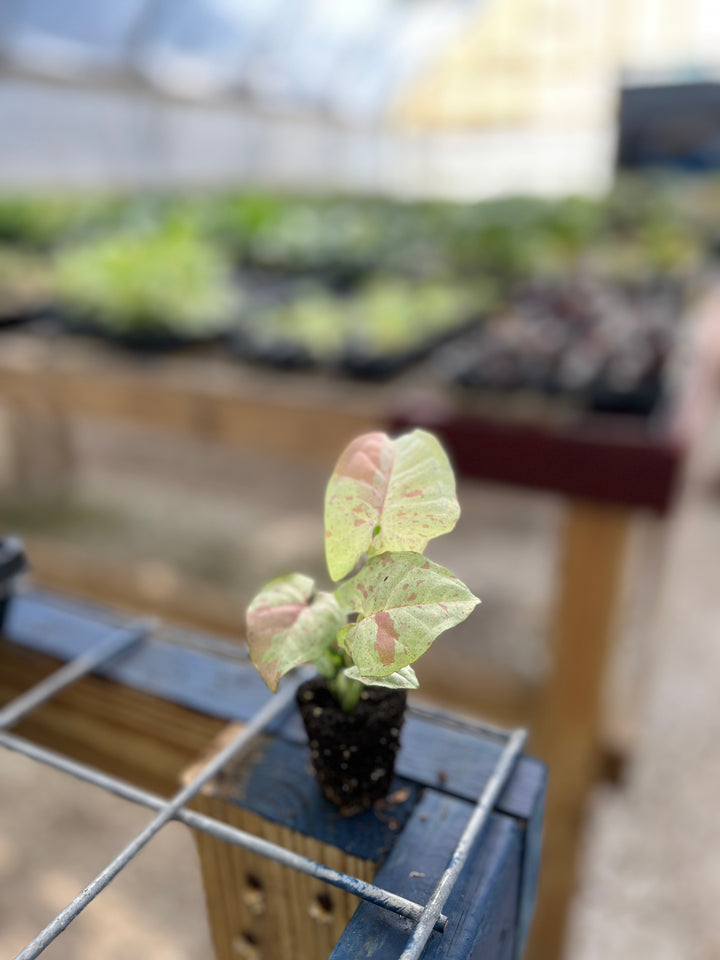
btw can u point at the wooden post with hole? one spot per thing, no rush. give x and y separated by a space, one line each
568 735
260 910
257 909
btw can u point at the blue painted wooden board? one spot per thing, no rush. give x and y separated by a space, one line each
414 839
482 910
436 765
62 628
275 781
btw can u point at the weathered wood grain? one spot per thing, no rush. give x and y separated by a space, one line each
215 400
569 731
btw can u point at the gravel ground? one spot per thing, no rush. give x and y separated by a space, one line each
651 875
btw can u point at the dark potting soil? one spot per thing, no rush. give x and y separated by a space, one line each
151 342
353 754
18 318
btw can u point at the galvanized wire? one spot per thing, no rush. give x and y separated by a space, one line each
222 831
72 671
169 811
426 918
457 721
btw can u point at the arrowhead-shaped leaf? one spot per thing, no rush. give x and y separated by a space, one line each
387 495
288 625
404 601
404 679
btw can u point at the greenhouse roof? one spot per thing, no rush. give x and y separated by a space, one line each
346 61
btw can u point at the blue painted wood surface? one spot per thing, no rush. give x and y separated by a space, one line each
482 909
435 764
275 780
168 667
413 836
492 904
64 629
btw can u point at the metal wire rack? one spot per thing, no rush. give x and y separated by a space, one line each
427 917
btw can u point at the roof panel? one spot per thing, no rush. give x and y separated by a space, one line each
342 59
101 26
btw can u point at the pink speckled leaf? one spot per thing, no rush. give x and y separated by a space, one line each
404 679
404 602
287 624
387 495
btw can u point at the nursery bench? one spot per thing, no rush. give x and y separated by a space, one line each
133 708
606 477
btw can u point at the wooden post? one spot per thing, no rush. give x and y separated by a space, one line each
259 910
634 658
569 730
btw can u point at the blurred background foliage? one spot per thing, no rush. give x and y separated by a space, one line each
503 294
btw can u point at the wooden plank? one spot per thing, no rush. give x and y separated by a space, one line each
43 455
129 734
275 782
533 854
211 399
60 567
568 737
165 666
635 650
145 730
117 723
629 462
456 760
261 910
599 459
272 792
523 805
483 908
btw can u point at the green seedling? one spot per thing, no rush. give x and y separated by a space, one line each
385 500
167 278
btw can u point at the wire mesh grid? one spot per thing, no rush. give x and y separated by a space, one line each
426 918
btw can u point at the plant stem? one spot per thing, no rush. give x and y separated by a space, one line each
346 691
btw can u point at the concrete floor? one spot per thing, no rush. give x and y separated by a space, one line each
651 875
650 884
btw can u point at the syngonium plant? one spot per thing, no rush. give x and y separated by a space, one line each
385 500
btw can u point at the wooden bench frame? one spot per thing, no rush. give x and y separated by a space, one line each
607 475
140 703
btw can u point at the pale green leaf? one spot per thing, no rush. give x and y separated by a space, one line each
404 602
387 495
288 624
404 679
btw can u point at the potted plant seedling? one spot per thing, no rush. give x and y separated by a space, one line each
153 289
386 499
